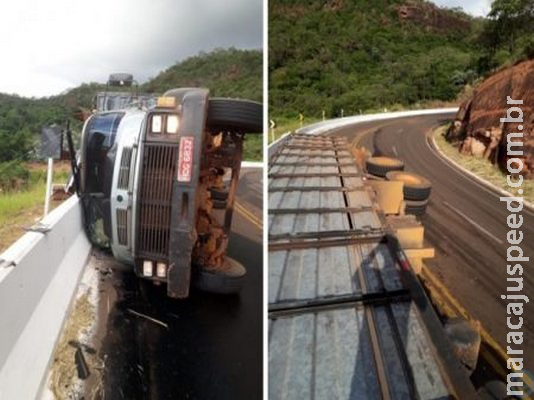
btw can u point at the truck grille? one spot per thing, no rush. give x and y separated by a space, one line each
159 170
124 171
122 227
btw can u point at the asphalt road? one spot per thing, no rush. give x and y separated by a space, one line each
465 222
212 348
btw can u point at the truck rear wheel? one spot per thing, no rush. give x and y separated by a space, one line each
235 115
227 280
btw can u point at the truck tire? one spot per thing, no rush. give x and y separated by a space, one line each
227 282
380 166
235 115
417 208
416 187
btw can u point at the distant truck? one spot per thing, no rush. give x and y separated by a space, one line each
150 174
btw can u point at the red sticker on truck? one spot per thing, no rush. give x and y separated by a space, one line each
185 159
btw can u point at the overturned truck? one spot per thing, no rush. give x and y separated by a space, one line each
150 178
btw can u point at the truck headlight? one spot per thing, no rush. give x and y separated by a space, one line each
172 124
157 121
148 268
161 270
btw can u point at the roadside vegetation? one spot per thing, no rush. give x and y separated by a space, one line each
362 56
22 206
480 166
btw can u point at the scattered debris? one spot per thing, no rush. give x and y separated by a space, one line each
156 321
173 315
74 358
39 227
81 364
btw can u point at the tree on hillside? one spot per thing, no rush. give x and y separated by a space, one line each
508 20
16 145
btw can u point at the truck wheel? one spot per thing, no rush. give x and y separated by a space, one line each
235 115
218 194
229 280
417 208
380 166
416 187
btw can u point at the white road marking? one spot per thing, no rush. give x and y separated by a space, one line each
395 151
475 224
446 162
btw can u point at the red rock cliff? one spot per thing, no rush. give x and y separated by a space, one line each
478 129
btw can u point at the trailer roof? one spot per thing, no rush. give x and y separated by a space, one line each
342 321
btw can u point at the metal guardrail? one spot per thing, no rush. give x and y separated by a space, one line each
38 278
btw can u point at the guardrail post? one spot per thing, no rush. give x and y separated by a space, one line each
48 185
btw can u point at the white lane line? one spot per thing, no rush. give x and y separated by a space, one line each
395 151
470 176
475 224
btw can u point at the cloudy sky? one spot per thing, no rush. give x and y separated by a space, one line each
475 7
49 46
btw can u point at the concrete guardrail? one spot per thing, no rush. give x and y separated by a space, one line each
328 125
39 275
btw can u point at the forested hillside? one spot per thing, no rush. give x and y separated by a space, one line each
362 55
231 72
227 73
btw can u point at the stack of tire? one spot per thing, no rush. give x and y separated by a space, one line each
416 191
380 166
416 188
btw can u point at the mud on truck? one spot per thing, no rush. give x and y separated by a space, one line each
151 175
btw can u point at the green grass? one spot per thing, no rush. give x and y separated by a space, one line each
15 203
481 167
253 148
20 209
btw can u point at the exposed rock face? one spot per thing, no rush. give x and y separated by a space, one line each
478 129
431 17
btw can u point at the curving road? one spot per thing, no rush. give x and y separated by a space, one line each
465 222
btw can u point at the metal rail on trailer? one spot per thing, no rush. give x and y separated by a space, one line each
347 317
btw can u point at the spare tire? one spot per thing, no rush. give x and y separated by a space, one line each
417 208
234 115
416 187
380 166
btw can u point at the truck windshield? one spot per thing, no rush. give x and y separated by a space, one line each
97 174
99 139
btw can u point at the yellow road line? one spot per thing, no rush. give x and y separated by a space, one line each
248 215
